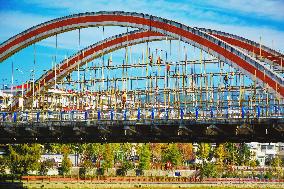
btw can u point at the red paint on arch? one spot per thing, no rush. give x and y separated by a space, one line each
251 48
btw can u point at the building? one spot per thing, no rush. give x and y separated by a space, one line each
57 159
5 100
265 152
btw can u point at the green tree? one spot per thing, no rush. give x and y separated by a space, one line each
3 164
203 151
126 148
108 157
45 165
276 164
145 157
209 170
89 153
95 150
66 162
244 154
122 151
172 154
186 150
253 164
53 148
23 158
156 151
85 166
220 154
231 153
126 165
116 149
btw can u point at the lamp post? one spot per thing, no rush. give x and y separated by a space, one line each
33 80
12 81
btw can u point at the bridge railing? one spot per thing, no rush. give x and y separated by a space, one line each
239 114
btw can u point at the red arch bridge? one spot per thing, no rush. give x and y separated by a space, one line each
233 92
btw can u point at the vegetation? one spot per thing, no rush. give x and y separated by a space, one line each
45 166
66 162
209 170
88 153
276 165
243 154
203 152
3 164
21 159
220 154
172 154
214 161
108 156
126 166
186 150
145 157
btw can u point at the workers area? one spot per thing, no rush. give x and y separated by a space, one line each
144 91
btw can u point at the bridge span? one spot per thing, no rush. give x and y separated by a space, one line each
233 92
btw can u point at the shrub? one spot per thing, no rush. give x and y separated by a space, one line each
139 172
209 170
100 171
82 172
44 166
268 175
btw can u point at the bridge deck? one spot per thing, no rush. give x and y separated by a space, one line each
237 130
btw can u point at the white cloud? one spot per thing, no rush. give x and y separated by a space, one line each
14 22
263 8
198 8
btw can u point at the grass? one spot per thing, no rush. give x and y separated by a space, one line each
87 185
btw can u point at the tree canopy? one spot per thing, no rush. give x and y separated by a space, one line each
172 154
145 157
22 159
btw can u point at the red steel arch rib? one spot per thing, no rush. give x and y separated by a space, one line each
210 44
266 52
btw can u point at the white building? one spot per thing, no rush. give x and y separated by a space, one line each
5 99
264 152
57 159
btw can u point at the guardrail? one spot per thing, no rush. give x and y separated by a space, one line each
208 115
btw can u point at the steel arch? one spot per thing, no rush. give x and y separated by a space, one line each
209 43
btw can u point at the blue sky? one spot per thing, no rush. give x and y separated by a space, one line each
248 18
